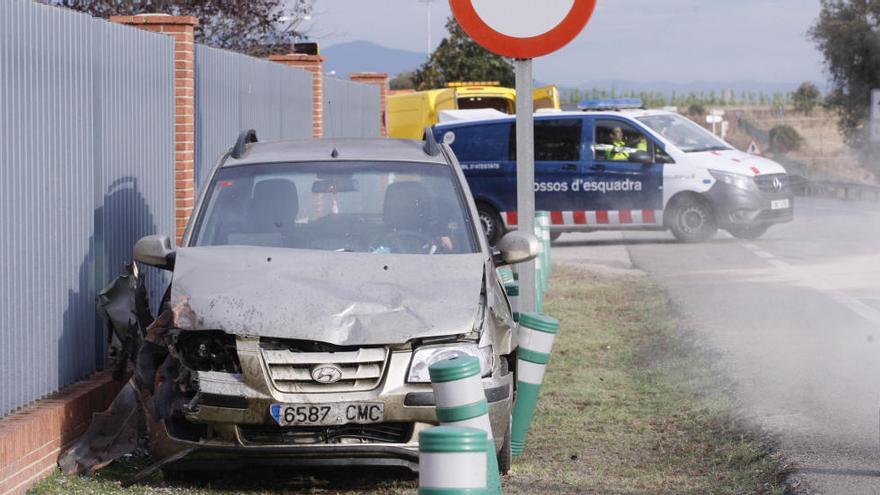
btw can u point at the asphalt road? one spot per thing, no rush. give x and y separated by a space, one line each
794 320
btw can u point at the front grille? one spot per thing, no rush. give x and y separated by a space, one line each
766 183
309 435
290 366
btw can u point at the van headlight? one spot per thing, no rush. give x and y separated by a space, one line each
739 181
424 357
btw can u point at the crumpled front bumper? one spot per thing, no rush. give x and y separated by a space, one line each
230 422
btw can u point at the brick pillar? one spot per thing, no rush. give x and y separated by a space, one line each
379 79
315 65
182 29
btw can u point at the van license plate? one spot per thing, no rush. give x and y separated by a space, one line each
338 413
779 204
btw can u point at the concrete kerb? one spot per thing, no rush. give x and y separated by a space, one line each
461 401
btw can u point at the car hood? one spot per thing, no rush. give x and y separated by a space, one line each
333 297
735 161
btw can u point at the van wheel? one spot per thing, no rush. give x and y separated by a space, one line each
491 222
692 220
748 232
554 236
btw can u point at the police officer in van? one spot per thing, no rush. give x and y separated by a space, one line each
618 150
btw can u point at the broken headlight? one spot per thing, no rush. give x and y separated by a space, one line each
208 350
424 357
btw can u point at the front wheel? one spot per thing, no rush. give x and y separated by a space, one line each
554 236
505 455
748 232
491 222
692 220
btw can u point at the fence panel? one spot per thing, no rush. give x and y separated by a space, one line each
351 109
75 133
235 92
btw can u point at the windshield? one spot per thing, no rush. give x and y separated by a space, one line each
375 207
683 133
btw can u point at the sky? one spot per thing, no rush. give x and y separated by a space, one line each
637 40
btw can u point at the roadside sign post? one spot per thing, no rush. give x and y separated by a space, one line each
525 176
516 29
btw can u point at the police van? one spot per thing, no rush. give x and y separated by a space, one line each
617 166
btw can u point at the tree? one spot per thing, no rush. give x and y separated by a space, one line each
256 27
846 33
404 80
806 98
459 58
784 138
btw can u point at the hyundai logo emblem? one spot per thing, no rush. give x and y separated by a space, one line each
326 373
777 184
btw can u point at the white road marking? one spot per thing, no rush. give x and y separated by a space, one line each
856 306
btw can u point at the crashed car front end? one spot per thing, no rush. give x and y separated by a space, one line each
265 389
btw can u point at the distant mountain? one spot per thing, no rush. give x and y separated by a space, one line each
363 56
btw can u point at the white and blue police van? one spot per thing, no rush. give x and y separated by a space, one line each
617 166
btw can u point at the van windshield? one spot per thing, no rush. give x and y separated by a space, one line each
684 133
373 207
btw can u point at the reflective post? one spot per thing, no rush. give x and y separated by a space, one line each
525 175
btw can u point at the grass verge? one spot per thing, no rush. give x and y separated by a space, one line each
628 406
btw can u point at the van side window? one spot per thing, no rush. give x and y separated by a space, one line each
558 140
619 141
480 142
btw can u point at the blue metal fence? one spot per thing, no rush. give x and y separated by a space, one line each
351 109
235 92
85 169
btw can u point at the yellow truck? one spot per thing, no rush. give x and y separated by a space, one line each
409 113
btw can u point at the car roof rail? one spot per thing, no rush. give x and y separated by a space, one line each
246 137
431 148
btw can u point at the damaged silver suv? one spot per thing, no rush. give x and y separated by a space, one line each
317 283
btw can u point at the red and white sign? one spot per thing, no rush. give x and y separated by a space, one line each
523 28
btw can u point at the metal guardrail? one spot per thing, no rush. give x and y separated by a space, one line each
847 191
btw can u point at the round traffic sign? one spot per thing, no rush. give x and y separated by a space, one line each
522 28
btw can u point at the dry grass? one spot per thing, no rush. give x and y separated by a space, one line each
627 407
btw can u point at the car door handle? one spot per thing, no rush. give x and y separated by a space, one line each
569 168
598 167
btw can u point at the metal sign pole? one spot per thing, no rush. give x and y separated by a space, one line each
525 175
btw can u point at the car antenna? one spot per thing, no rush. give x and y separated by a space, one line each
245 138
431 147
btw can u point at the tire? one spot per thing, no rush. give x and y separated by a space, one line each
554 236
748 232
491 222
693 220
505 455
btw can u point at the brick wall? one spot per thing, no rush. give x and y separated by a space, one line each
32 438
315 65
379 79
182 29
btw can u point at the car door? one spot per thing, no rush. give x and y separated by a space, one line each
559 163
624 178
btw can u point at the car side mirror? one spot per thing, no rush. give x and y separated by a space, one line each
516 247
155 250
642 157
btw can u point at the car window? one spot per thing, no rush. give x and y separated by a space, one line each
685 134
410 208
480 143
558 140
618 141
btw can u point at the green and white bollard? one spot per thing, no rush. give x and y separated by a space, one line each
543 218
506 275
536 335
461 401
512 290
452 461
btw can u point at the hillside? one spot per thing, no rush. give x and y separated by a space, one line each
363 56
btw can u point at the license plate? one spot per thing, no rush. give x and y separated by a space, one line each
779 204
337 413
